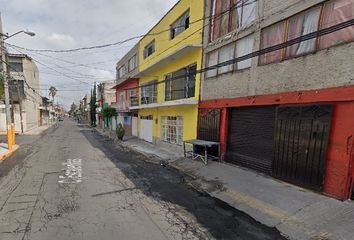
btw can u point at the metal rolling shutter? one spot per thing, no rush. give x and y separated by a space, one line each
250 138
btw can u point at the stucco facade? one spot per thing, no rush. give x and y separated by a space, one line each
320 77
27 73
172 52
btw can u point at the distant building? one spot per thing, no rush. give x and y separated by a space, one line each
24 94
127 92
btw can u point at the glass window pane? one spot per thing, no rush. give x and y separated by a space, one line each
226 53
248 13
300 25
234 20
212 60
225 16
215 23
271 36
337 12
243 47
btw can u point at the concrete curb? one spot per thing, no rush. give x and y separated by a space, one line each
9 152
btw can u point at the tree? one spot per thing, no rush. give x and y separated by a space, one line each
73 108
52 92
93 106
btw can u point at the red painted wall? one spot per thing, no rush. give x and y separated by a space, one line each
339 173
340 151
130 83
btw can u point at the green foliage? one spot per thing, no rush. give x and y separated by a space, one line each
120 131
52 92
1 87
108 112
93 106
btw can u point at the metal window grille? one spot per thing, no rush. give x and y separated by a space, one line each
172 129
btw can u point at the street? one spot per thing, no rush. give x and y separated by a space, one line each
72 183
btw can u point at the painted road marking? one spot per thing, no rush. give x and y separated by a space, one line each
73 171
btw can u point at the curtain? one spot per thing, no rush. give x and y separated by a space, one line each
243 47
337 12
226 53
216 20
271 36
212 60
246 13
234 14
225 16
300 25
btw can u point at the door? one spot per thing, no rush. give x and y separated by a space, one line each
146 128
208 124
301 139
135 126
250 137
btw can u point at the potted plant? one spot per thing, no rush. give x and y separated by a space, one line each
120 132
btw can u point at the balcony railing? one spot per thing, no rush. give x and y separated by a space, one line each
134 101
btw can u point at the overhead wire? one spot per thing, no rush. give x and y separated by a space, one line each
237 5
306 37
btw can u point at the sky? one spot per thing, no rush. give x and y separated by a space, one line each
66 24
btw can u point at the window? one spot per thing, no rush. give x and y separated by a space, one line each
149 49
121 71
180 84
246 13
16 67
121 103
228 15
180 25
271 36
149 92
132 63
299 25
335 12
212 60
133 96
243 47
172 129
226 53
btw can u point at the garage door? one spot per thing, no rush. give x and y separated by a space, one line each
301 141
145 131
250 138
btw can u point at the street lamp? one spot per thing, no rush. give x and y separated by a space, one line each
4 37
7 36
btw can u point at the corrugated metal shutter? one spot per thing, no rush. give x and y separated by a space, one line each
250 138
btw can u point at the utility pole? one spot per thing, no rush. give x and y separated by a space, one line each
4 69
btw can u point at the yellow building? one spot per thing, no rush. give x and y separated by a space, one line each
170 54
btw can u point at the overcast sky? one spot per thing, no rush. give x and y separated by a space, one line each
64 24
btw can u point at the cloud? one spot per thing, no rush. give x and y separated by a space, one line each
69 24
60 41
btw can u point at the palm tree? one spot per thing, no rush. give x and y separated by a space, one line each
52 92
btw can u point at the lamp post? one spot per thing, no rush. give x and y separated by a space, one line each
4 37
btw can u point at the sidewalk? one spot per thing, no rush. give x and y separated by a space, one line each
38 130
298 213
5 152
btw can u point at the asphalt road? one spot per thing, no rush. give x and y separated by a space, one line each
73 183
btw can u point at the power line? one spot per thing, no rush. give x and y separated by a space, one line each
235 6
53 69
263 51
